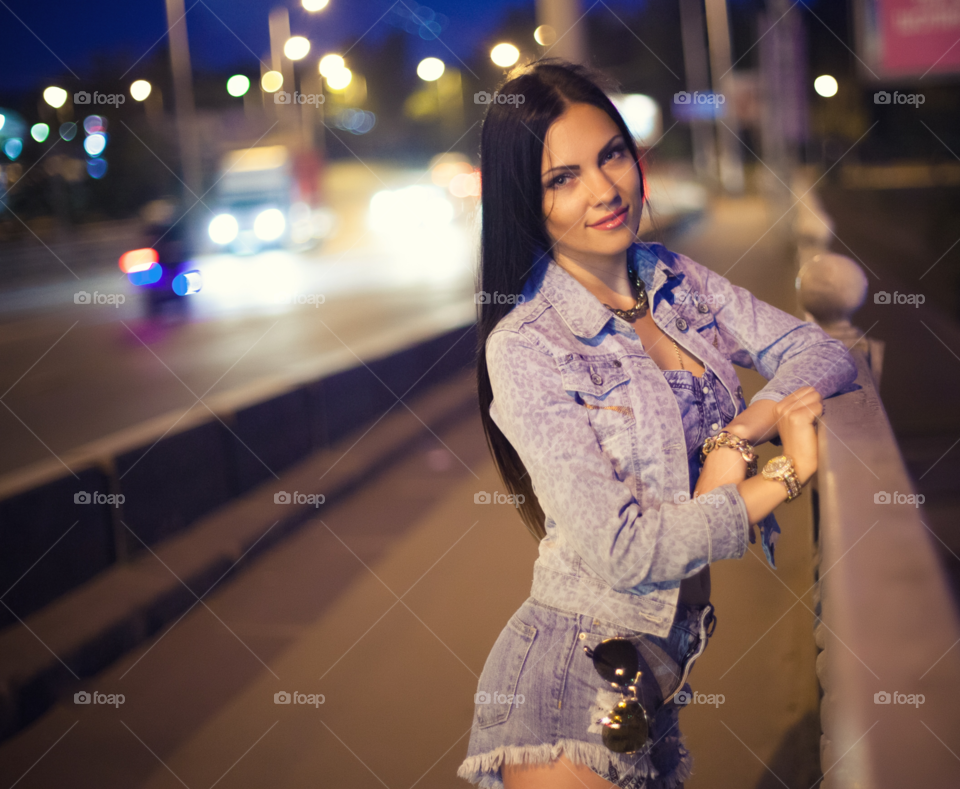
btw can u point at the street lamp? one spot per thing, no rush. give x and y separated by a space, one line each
314 5
296 48
504 55
272 81
430 69
331 64
339 80
140 90
238 85
825 86
55 97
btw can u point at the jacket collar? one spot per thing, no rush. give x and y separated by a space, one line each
579 309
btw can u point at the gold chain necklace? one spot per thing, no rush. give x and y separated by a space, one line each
639 309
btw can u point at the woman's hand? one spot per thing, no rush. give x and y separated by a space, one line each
797 417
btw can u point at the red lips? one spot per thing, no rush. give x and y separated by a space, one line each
611 217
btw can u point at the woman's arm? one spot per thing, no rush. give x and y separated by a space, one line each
795 417
788 352
578 485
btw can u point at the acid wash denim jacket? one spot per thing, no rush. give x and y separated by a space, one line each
599 429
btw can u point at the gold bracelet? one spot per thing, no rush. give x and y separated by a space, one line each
727 439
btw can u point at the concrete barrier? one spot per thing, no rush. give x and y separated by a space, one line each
62 523
163 482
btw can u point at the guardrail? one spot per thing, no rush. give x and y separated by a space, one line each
887 626
165 479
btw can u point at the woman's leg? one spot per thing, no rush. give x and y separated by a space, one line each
558 774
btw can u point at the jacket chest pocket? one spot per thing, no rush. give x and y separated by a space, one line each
601 388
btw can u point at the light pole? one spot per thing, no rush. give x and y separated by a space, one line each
183 96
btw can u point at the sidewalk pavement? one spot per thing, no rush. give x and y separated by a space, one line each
388 602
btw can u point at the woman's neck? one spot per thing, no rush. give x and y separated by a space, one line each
606 278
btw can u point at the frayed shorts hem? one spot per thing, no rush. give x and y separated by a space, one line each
484 769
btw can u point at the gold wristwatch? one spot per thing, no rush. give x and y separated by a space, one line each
727 439
781 469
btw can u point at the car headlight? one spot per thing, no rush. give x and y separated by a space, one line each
223 229
269 224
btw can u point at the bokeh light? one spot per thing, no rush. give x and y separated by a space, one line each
54 96
465 184
504 55
187 283
12 148
96 168
269 224
3 120
40 132
138 260
94 123
272 81
147 276
296 48
223 229
238 85
140 90
545 35
68 131
826 86
430 69
355 121
314 5
95 143
339 79
331 64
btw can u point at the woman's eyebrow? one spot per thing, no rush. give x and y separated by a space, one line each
600 155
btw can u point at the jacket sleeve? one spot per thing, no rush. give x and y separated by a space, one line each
577 484
787 351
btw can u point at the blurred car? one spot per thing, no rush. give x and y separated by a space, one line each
162 268
268 198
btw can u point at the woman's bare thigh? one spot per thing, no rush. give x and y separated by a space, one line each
558 774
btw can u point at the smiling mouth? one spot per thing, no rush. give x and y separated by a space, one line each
611 221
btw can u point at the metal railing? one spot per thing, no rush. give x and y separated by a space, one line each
887 626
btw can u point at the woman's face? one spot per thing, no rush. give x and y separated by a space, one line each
588 174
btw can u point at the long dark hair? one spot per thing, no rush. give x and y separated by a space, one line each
513 229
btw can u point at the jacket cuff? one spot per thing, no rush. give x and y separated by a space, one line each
728 527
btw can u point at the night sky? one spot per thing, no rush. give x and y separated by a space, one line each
224 34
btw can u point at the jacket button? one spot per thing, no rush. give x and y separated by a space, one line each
597 378
703 308
616 363
681 324
740 392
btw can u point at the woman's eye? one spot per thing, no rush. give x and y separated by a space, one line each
558 181
618 150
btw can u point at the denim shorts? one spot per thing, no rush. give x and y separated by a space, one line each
539 695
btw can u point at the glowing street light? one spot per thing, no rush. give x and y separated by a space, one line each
314 5
55 97
430 69
140 90
339 79
272 81
296 48
238 85
504 55
826 86
331 64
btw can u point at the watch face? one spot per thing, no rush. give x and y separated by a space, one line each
780 463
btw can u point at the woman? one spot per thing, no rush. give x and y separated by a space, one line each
601 390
